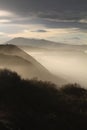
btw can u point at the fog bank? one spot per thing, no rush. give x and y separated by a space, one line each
71 65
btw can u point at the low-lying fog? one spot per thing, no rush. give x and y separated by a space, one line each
69 64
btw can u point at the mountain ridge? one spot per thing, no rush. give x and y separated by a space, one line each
28 66
32 42
42 43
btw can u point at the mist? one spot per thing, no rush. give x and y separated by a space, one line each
69 64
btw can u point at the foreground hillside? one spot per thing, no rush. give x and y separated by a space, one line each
37 105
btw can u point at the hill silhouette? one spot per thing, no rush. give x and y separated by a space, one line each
37 105
15 59
41 43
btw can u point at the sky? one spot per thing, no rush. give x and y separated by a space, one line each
63 21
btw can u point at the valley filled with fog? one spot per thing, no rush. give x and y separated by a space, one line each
67 62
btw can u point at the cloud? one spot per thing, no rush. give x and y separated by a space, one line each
5 13
52 9
49 13
65 15
5 21
49 33
2 34
40 31
43 18
40 5
83 21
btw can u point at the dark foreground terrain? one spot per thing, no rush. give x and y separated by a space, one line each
37 105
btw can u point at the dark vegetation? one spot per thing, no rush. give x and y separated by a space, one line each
37 105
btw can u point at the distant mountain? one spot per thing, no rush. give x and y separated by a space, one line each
32 42
15 59
41 43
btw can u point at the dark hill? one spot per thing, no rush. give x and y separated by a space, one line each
37 105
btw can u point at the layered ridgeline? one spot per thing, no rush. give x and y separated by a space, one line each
15 59
41 43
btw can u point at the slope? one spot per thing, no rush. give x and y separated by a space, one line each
12 57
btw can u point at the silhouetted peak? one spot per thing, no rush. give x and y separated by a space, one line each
32 42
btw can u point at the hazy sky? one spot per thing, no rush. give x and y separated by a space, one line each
58 20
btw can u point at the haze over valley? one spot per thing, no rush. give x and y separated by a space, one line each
69 62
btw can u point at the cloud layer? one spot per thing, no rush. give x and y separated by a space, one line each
72 10
40 16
